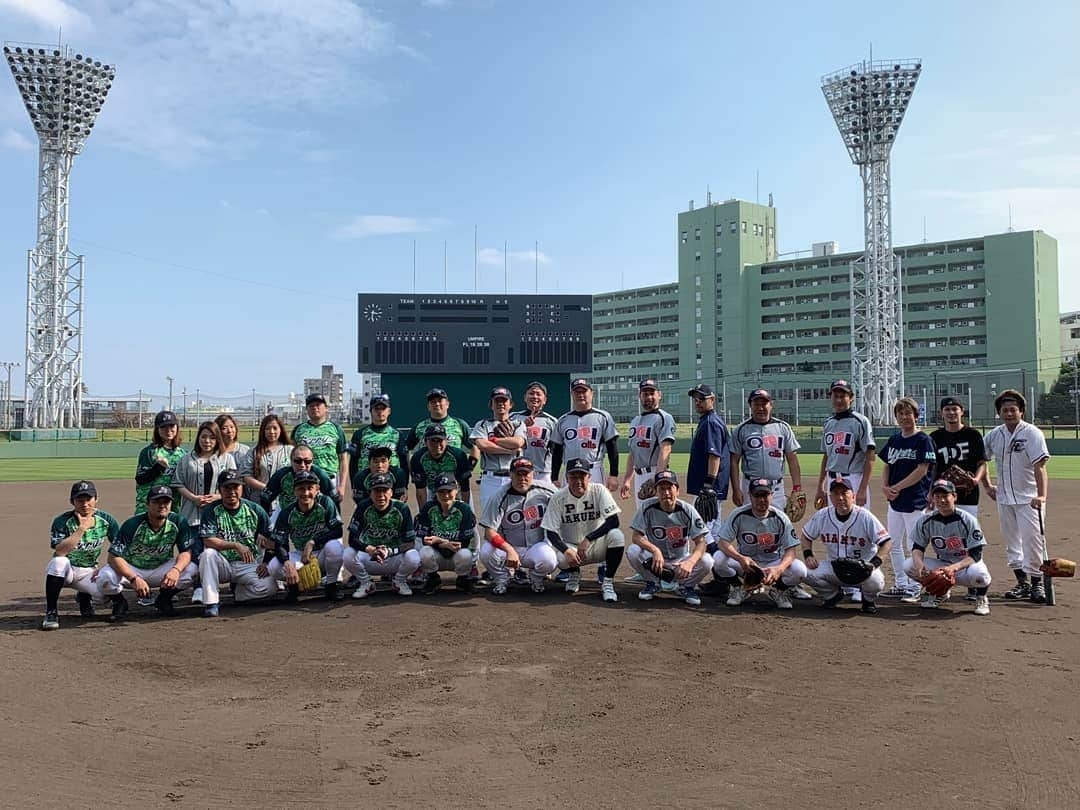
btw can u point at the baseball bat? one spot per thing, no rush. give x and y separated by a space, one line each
1048 581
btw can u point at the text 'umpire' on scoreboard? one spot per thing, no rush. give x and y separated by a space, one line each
464 334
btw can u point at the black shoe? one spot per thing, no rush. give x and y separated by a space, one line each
333 592
868 606
86 605
431 584
1021 590
119 609
292 594
465 585
52 621
485 577
836 599
164 602
1038 594
972 596
715 587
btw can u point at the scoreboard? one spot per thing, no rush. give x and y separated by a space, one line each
466 334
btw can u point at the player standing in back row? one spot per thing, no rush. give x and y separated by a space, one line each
848 446
586 433
327 442
652 435
763 444
539 428
709 470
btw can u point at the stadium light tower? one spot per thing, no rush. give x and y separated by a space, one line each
63 92
868 102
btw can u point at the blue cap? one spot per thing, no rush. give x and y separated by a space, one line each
576 465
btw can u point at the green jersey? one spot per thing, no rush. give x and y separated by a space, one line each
148 473
457 432
424 468
327 443
392 528
359 483
370 436
143 547
88 550
280 486
244 526
457 525
296 529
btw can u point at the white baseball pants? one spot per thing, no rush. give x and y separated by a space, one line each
900 526
824 581
725 566
77 577
400 566
597 552
639 560
112 583
433 560
215 570
539 558
1025 548
779 494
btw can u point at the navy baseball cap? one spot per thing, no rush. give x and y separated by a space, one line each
536 384
437 393
304 477
160 491
435 432
843 385
383 481
443 482
82 488
943 485
313 398
950 401
228 477
380 451
666 477
576 465
164 419
760 485
647 384
580 382
499 391
701 390
841 482
380 399
521 464
759 393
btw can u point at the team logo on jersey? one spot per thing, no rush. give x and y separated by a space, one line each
531 515
840 442
643 435
766 541
537 436
772 444
952 543
1017 445
586 436
957 452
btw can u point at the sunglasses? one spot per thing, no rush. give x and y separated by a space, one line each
304 461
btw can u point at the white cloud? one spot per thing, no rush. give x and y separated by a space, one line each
50 14
494 257
13 139
436 3
385 225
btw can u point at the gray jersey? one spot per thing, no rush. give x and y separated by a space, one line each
495 462
538 439
762 447
648 432
671 532
845 441
517 516
765 539
857 535
950 537
582 435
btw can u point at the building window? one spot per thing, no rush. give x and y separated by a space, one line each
697 281
697 313
719 250
697 233
719 230
733 227
697 256
697 296
1074 333
744 226
682 237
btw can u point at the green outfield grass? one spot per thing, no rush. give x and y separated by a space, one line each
1064 468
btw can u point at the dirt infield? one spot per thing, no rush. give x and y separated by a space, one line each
453 700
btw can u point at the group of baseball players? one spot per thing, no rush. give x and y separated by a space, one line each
266 520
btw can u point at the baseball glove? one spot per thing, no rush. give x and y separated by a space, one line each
647 490
753 578
1058 567
707 505
503 429
938 582
796 506
960 478
851 571
310 575
820 502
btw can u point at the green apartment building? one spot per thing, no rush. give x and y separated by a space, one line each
980 315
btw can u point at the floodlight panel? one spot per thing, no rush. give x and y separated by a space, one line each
868 102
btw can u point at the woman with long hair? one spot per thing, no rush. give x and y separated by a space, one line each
229 435
269 455
158 460
195 478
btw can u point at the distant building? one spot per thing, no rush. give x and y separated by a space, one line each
331 386
1070 336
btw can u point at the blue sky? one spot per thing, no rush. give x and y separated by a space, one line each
259 162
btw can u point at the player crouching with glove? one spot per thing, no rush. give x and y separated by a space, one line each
446 528
669 542
382 540
582 522
756 547
958 545
855 544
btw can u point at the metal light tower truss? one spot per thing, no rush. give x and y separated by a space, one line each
868 102
63 92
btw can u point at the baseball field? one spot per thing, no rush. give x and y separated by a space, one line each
533 701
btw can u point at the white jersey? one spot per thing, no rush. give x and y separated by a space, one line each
648 432
950 537
858 535
582 435
495 462
762 539
671 532
845 441
763 447
1015 455
539 429
516 516
573 518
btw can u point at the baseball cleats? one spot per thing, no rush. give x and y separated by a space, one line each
51 621
832 601
119 609
636 579
1038 594
854 596
716 587
1021 590
211 611
895 592
432 583
573 581
800 592
366 588
912 597
689 595
499 588
982 605
465 584
333 592
736 597
401 586
779 598
607 590
868 606
196 596
650 590
164 602
971 595
930 601
538 582
86 605
601 573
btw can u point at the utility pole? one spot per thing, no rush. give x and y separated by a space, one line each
9 416
1075 391
198 405
184 395
140 408
254 416
170 379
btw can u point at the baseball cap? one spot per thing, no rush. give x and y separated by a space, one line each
943 485
666 477
160 491
841 482
435 432
164 419
443 482
437 393
759 393
536 384
381 450
499 391
701 390
83 488
648 383
760 485
384 481
380 399
228 477
950 401
580 382
578 465
843 385
304 477
313 398
521 464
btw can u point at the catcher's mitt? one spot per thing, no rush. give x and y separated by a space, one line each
310 575
796 506
753 578
960 478
503 429
820 502
1058 567
647 490
851 571
938 582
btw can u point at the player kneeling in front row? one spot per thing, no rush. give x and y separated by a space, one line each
77 538
446 528
514 537
855 544
756 547
235 534
308 528
958 543
669 542
142 556
582 523
382 540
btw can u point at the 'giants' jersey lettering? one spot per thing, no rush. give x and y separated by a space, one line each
857 534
